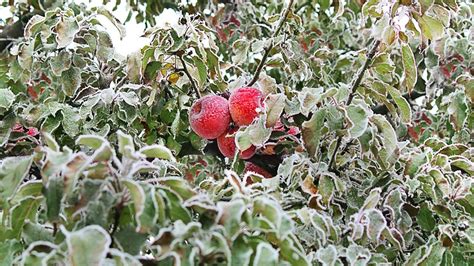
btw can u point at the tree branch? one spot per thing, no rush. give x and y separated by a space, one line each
271 45
186 71
355 85
383 110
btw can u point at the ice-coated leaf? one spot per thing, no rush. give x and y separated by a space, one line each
33 25
53 192
326 187
372 199
8 249
389 137
359 118
458 110
265 254
358 255
12 172
91 141
328 255
258 132
409 68
201 70
27 208
312 131
425 218
28 189
71 120
241 252
274 104
134 71
60 62
106 13
66 30
87 246
71 81
402 103
157 151
376 224
125 143
6 99
431 27
32 232
230 216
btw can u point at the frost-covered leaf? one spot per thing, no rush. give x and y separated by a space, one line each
71 81
12 172
66 30
87 246
6 99
409 68
359 120
157 151
312 131
275 103
265 254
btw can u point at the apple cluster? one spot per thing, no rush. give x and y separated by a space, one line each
214 117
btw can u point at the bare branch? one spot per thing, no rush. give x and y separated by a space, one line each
355 85
186 71
271 44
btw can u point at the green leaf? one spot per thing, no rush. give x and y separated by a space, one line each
157 151
53 192
425 219
6 99
92 141
458 110
389 137
8 249
230 216
130 240
327 255
13 171
60 62
87 246
152 70
202 70
401 102
312 132
70 121
265 254
26 209
241 253
326 187
359 119
431 28
33 232
125 143
409 68
71 81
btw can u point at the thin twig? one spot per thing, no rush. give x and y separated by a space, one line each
271 44
185 69
355 85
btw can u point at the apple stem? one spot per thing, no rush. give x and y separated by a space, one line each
186 71
271 44
355 85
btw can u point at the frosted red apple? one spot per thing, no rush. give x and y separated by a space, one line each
209 116
243 105
251 167
227 146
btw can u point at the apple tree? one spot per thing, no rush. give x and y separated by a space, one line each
244 133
